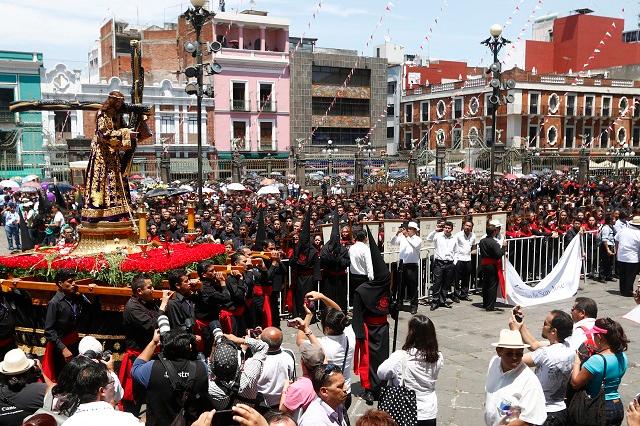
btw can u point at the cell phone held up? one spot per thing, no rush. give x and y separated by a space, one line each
517 315
292 323
310 304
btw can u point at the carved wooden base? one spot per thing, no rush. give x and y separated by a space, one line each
105 237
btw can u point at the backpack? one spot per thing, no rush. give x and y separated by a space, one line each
179 419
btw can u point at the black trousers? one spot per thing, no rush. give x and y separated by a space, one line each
378 353
335 288
304 284
463 279
274 300
410 282
444 274
606 263
627 274
354 282
489 282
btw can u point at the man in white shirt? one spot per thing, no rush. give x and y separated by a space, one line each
360 267
96 389
278 367
628 255
444 271
327 409
465 244
583 313
553 361
512 390
409 254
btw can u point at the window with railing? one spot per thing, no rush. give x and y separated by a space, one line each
192 130
588 105
606 106
456 138
167 128
534 103
408 113
424 111
457 108
571 105
240 130
238 99
6 97
267 101
266 135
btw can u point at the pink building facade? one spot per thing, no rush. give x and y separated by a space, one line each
252 92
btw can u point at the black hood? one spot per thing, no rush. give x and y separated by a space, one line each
381 274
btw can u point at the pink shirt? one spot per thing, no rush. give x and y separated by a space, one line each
299 394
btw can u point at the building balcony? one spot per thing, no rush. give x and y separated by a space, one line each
239 105
267 145
330 91
340 121
231 55
266 106
7 117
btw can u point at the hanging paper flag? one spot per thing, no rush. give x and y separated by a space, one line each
389 6
601 41
613 24
585 65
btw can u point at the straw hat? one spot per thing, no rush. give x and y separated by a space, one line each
15 362
635 221
510 339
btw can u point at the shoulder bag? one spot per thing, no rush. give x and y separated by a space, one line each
400 401
584 410
179 419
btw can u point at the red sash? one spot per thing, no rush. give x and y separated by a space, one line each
498 264
48 364
125 373
6 342
199 330
361 354
226 322
265 293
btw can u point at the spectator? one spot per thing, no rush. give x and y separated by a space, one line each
12 226
417 366
91 348
40 420
279 366
339 341
360 266
327 408
628 255
605 368
226 370
297 396
92 399
552 362
512 389
583 313
164 379
375 418
20 387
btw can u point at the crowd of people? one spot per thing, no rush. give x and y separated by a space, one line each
215 342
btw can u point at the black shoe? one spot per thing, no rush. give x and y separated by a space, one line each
414 310
446 305
434 307
368 397
467 299
495 310
455 299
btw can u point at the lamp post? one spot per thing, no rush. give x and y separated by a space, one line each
197 16
329 150
495 43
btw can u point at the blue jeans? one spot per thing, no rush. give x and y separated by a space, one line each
614 412
13 237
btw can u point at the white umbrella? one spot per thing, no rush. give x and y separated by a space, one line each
207 190
7 183
269 189
236 187
187 187
31 178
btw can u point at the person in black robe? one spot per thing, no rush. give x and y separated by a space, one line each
306 264
490 264
334 259
370 313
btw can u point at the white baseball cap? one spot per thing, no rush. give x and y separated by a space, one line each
413 225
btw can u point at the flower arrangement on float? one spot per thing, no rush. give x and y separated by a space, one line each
114 269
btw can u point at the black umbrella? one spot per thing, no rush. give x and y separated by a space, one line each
178 191
64 187
158 192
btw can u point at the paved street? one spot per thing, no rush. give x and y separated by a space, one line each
465 334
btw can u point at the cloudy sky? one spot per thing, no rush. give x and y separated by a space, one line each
65 30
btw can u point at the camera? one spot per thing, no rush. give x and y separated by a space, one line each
99 356
218 335
163 324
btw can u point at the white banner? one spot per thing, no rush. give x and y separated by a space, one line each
561 283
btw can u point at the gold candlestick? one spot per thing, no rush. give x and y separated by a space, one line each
191 215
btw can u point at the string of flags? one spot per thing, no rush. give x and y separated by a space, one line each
603 42
432 26
526 25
